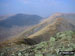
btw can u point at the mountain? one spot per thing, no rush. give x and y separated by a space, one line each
45 29
60 25
48 38
68 17
20 20
58 22
11 25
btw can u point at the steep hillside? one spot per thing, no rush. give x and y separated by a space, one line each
58 21
60 25
68 17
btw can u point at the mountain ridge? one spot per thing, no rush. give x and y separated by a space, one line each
45 29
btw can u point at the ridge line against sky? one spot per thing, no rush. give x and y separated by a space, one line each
39 7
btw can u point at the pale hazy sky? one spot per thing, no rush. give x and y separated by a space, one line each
39 7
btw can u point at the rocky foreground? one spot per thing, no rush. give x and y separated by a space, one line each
62 41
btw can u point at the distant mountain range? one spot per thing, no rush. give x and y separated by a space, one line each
11 25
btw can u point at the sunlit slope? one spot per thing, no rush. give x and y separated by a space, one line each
68 17
60 25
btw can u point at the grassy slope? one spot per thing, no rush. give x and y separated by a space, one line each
51 29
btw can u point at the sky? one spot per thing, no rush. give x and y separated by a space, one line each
43 8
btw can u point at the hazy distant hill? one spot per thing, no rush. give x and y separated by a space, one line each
14 24
3 17
20 20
